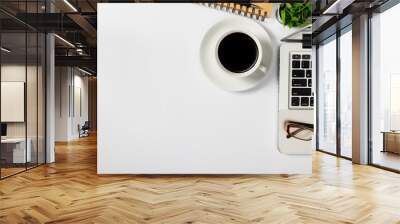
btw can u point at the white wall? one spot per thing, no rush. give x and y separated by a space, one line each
159 114
67 115
18 73
79 117
12 73
13 101
33 127
62 81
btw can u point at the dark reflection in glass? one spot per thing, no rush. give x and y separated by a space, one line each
22 88
13 86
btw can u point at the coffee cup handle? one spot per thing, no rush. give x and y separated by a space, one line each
262 68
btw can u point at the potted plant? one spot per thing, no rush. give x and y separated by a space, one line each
294 14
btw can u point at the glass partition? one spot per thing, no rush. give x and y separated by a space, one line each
22 77
385 89
32 95
326 97
41 97
14 155
346 75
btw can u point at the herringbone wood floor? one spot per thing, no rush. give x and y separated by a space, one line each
70 191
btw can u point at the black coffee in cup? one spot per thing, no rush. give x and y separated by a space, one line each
238 52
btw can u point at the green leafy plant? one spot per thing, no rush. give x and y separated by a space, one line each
295 14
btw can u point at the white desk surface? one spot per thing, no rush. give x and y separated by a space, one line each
13 140
179 122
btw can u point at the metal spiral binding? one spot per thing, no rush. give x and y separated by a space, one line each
251 11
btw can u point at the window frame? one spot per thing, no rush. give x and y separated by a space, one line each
334 37
378 10
27 29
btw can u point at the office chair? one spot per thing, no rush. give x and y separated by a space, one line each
84 130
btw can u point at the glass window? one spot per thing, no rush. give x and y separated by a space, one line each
14 153
22 92
31 101
41 79
385 89
327 97
346 94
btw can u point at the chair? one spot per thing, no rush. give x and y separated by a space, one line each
84 130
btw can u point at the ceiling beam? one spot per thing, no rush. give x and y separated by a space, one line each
83 61
84 24
49 22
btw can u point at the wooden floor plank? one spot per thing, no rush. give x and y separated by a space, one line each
70 191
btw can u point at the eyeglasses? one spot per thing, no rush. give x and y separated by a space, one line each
298 130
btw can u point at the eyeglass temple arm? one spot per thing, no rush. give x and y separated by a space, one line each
288 123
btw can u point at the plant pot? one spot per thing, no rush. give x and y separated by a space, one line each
278 18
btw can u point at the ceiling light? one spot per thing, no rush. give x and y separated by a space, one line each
70 5
5 50
79 51
65 41
84 71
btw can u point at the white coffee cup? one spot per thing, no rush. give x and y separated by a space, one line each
254 68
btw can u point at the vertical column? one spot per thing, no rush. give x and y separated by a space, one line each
338 99
50 99
315 90
50 92
62 103
360 90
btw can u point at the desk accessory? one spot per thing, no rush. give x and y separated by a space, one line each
259 11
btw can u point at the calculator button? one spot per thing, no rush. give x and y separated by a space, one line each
301 91
295 64
298 73
299 82
308 73
295 101
304 101
296 56
305 64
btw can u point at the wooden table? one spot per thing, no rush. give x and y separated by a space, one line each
391 141
14 152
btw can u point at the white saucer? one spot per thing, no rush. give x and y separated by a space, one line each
223 78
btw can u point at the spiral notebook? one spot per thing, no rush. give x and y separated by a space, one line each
258 11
